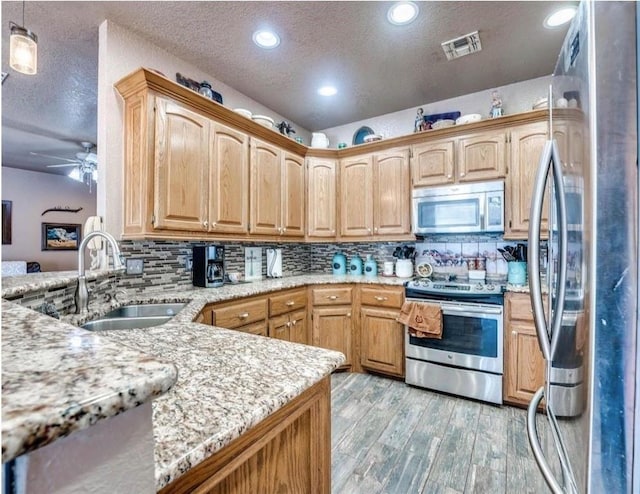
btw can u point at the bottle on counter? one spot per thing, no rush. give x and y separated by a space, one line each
370 266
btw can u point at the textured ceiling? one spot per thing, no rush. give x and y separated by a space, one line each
377 67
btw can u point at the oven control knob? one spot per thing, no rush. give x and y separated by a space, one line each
491 287
479 286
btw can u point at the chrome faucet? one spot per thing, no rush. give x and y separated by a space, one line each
82 293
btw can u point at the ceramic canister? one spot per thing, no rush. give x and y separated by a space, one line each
517 273
355 265
404 268
370 266
339 263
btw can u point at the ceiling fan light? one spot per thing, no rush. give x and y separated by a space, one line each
75 174
23 50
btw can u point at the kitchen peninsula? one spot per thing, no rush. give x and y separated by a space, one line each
233 390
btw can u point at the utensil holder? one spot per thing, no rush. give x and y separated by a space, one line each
404 268
517 273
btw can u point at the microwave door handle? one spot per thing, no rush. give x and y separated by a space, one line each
533 261
561 284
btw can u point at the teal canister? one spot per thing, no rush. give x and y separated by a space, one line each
517 273
355 265
339 263
370 266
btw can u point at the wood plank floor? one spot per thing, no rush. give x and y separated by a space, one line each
388 437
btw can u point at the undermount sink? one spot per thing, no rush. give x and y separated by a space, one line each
135 316
145 310
106 324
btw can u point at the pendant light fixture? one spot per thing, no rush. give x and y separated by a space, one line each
23 48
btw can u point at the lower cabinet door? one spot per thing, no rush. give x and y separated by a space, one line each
524 369
382 341
298 329
331 329
279 327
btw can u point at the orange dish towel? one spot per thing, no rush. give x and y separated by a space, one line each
424 319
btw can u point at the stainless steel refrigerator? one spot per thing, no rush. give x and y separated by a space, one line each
588 439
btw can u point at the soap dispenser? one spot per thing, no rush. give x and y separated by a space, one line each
339 263
370 266
355 265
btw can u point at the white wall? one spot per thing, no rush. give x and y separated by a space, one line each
32 193
120 53
517 98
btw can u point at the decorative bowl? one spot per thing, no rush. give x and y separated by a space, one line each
441 124
372 138
470 118
264 120
243 112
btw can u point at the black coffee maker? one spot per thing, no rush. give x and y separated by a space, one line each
208 265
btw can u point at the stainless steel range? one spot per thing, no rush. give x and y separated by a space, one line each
468 360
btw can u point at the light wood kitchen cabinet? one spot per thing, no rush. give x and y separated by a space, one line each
321 197
232 315
375 198
277 191
381 336
266 168
527 143
391 193
356 196
332 320
524 363
182 168
433 163
481 156
228 180
288 316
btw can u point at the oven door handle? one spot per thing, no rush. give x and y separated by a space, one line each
471 310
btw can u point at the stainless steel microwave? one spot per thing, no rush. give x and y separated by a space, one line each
463 208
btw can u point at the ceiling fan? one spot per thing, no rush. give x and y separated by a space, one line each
86 164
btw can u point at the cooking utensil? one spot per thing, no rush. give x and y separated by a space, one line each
507 255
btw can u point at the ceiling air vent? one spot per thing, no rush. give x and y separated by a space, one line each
464 45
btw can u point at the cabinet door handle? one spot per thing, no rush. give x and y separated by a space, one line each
369 230
284 229
213 225
288 324
380 299
205 223
293 323
462 174
375 229
332 297
514 333
290 303
333 231
348 314
449 176
244 315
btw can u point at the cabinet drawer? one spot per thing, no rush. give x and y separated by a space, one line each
287 302
378 297
519 306
258 328
331 296
240 314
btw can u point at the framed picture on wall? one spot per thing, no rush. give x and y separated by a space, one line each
6 222
61 236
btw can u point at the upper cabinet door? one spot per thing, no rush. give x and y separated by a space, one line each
433 163
229 181
182 167
293 217
265 188
356 199
321 197
482 156
391 193
527 143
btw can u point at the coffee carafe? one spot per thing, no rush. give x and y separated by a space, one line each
208 265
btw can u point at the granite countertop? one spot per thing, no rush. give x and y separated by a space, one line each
18 285
57 379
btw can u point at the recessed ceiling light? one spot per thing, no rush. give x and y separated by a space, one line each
266 39
560 17
402 13
327 91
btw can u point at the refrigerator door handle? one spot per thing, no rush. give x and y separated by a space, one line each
561 283
538 454
533 261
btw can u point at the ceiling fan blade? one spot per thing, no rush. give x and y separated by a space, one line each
54 157
63 165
